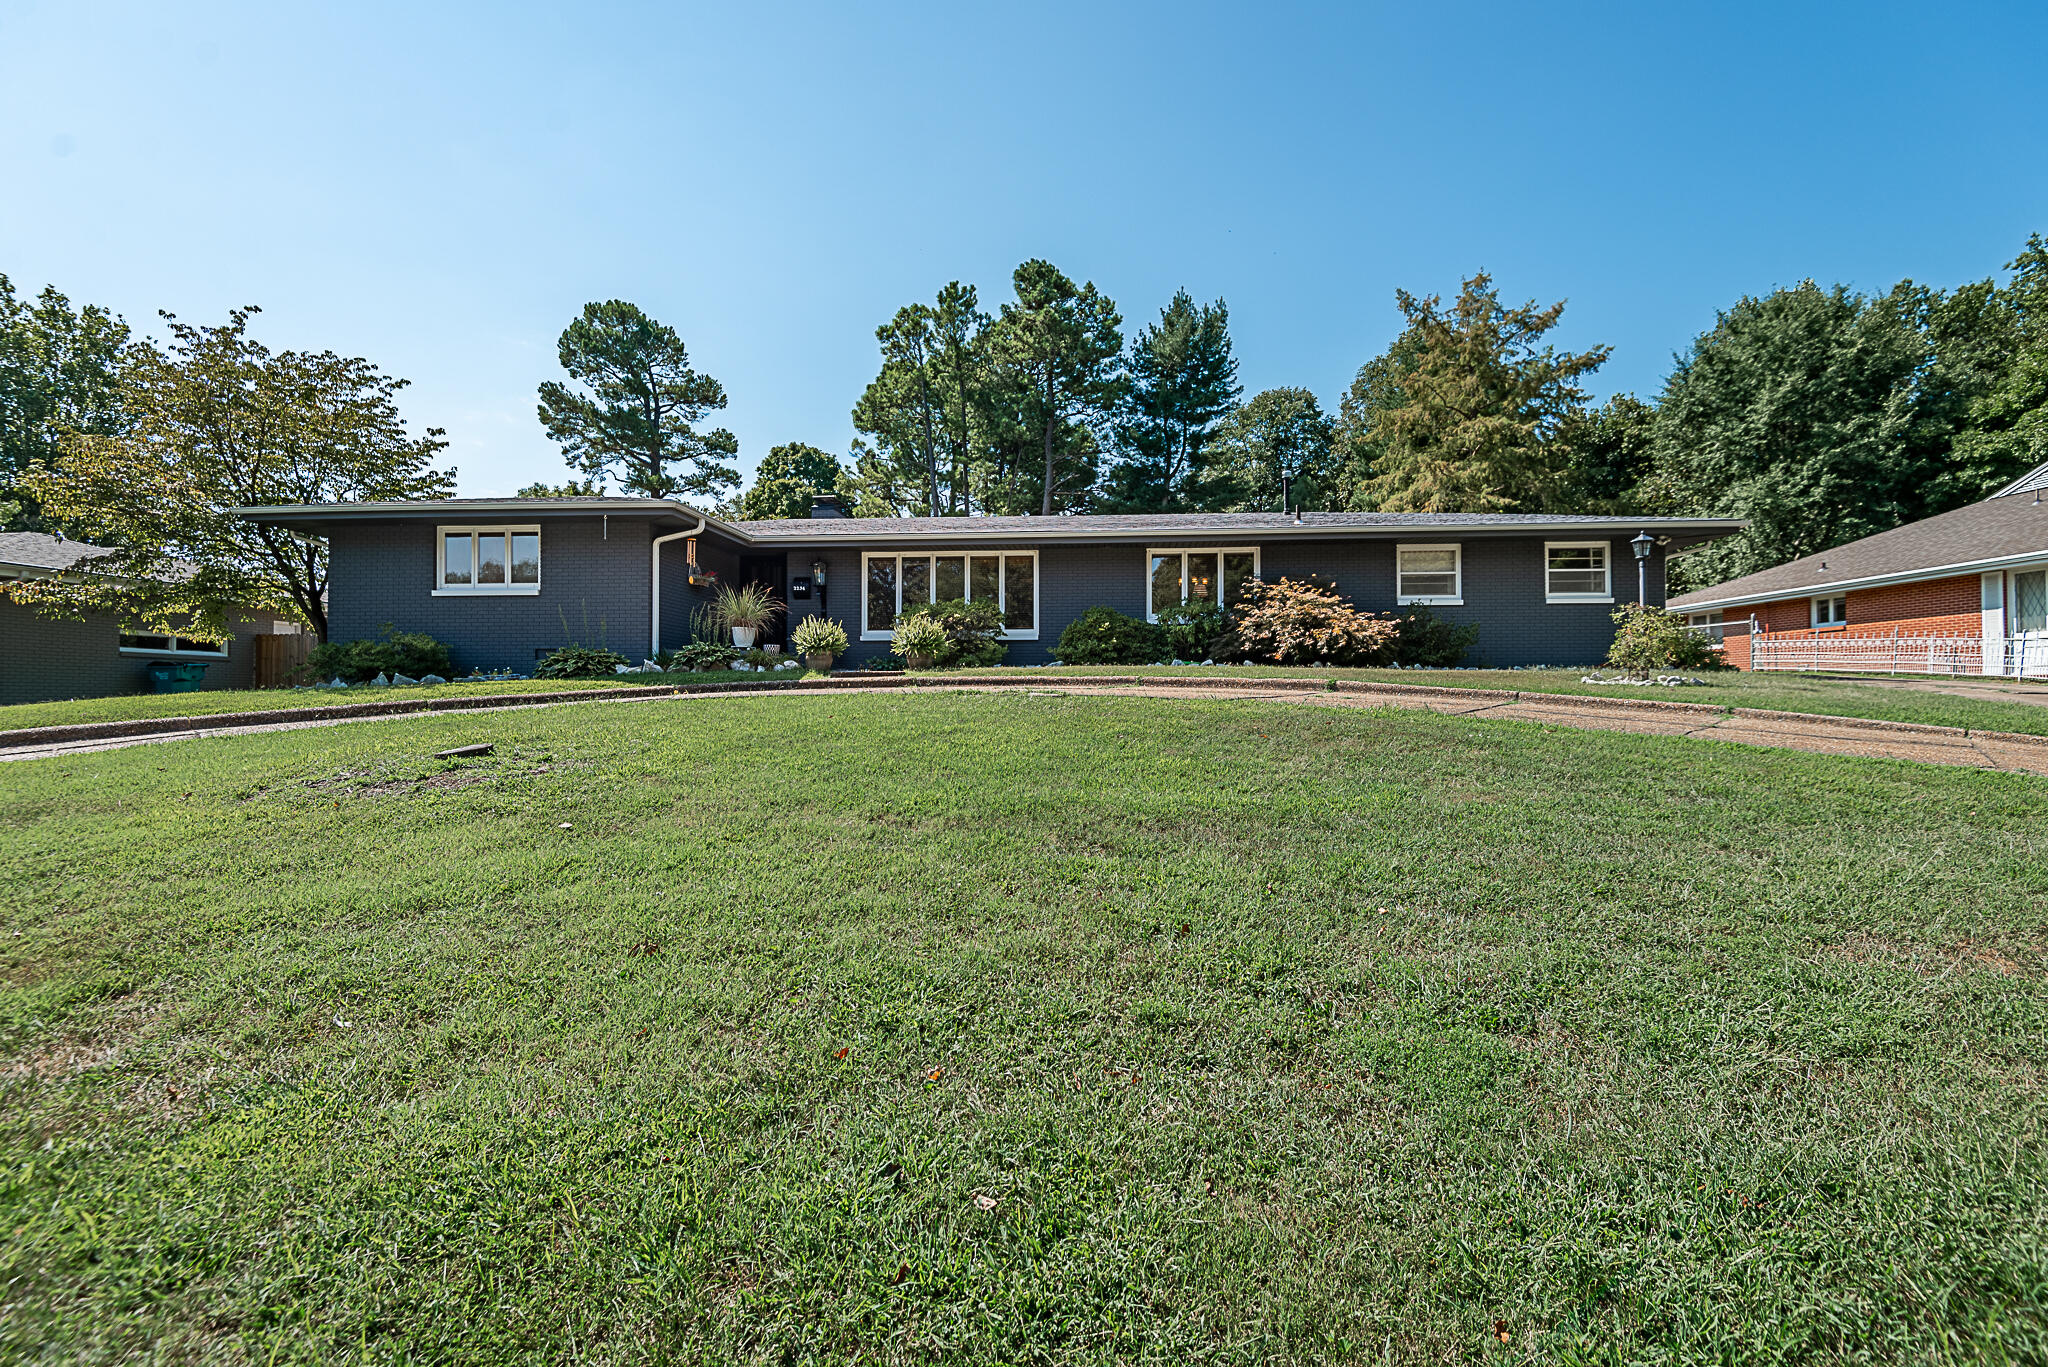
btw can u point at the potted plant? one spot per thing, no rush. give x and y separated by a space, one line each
918 642
819 640
744 610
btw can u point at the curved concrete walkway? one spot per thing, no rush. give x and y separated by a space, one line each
1781 730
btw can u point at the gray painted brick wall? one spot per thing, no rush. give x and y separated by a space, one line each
43 658
385 572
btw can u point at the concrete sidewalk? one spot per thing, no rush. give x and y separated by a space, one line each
1779 730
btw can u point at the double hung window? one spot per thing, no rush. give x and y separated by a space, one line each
1576 572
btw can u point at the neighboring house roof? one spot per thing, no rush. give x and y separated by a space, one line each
42 553
830 530
2011 526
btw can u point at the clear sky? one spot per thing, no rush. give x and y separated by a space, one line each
440 187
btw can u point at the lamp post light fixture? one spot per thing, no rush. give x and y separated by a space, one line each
818 578
1643 544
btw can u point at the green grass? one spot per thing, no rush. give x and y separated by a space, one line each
215 702
1830 695
1011 1028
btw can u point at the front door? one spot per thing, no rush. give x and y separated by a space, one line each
2029 626
773 571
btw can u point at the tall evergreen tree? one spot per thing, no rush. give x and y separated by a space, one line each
1056 349
1478 406
1358 440
60 374
920 409
633 419
1183 381
1279 434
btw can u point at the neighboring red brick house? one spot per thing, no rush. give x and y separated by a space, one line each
1962 592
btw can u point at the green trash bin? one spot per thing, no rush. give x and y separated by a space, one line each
169 676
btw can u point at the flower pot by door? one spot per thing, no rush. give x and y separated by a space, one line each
914 661
743 637
820 661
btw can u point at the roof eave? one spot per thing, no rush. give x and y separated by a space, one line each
1686 603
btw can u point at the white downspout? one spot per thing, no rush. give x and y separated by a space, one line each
654 628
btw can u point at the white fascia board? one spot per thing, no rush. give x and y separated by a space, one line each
1869 581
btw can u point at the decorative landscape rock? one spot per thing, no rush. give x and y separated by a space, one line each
380 682
401 679
432 679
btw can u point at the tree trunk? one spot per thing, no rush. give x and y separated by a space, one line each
1045 503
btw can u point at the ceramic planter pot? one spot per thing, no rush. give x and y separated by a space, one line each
920 661
820 661
743 637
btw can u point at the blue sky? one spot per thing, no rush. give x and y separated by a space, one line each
441 187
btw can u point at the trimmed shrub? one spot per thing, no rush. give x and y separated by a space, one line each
580 662
1306 621
1104 636
1650 639
1428 641
919 635
973 631
393 652
1193 631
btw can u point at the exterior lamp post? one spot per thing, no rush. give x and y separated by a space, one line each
1642 545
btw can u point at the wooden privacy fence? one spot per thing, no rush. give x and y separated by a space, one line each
281 659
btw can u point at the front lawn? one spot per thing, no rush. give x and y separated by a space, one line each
216 702
1828 695
1018 1028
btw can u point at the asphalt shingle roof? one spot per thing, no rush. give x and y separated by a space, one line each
40 551
2008 524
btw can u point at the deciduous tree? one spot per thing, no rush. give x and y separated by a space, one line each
59 374
790 477
214 423
633 417
1278 434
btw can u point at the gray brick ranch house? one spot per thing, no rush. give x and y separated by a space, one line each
498 578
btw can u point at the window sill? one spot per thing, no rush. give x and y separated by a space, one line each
1578 597
522 591
215 655
1429 602
1006 636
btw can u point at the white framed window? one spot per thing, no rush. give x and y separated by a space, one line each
1178 575
894 580
1832 611
148 643
473 560
2029 602
1429 573
1577 572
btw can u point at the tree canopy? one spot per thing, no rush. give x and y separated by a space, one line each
1182 382
60 373
215 422
789 477
633 417
1479 402
1056 349
1280 434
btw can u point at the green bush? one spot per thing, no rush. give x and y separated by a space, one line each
973 631
700 657
1306 621
579 662
1649 639
1104 636
1428 641
393 652
1193 631
918 635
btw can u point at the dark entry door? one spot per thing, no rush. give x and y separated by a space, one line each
772 570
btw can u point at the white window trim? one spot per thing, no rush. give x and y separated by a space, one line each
1813 620
473 530
1184 552
1457 598
169 652
946 553
1606 549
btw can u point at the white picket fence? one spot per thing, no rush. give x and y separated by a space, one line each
2013 657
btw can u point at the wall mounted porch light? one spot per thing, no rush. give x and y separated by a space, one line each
818 578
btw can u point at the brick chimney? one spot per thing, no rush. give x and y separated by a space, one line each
827 505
